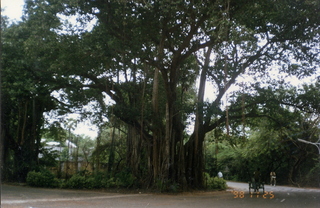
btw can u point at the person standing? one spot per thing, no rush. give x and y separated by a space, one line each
273 178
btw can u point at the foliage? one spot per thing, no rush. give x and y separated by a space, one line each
312 178
271 144
43 178
26 91
48 157
183 34
215 183
147 56
77 182
98 181
125 179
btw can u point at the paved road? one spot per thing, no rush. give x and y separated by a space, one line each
279 196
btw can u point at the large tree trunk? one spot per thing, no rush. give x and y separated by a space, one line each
133 150
172 171
195 145
27 139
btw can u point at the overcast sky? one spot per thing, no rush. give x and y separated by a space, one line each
12 8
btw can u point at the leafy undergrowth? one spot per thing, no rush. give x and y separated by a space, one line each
124 183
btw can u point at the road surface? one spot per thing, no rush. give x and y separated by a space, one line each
236 196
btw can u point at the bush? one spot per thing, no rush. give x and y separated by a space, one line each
216 183
79 181
44 178
76 182
110 183
94 182
101 180
124 180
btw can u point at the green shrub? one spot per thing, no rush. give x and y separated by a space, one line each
124 180
101 180
216 183
92 183
110 183
44 178
76 182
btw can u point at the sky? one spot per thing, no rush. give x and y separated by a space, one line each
12 8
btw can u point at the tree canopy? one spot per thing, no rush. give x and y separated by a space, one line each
154 60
